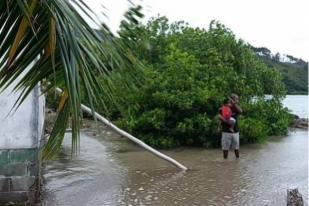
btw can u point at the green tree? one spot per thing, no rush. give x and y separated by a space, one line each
188 73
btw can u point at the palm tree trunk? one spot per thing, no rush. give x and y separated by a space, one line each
130 137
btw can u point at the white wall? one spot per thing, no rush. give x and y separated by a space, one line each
23 128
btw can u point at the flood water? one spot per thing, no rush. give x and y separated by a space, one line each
298 104
112 171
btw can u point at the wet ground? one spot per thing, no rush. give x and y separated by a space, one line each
112 171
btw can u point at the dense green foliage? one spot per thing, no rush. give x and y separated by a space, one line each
295 72
188 72
295 77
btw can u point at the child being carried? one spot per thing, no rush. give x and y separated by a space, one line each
226 116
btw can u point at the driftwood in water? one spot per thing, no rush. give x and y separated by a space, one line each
294 198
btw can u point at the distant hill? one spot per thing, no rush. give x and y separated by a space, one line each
294 70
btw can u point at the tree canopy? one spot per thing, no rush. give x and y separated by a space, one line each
188 73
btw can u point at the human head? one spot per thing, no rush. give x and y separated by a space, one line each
234 97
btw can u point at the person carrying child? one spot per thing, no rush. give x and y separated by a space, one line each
230 133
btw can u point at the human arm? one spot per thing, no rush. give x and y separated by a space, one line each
237 108
222 118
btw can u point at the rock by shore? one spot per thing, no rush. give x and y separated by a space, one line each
301 123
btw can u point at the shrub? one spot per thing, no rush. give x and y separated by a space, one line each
187 74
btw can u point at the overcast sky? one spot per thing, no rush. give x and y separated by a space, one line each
280 25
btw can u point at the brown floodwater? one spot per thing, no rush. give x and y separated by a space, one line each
110 170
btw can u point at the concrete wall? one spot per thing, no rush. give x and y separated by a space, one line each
20 140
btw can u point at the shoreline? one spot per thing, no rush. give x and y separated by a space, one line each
299 124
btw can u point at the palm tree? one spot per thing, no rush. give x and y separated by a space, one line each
48 40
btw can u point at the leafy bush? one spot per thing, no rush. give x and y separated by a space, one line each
252 130
187 74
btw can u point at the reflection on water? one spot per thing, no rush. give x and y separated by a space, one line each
112 171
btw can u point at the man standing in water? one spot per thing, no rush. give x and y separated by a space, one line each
230 137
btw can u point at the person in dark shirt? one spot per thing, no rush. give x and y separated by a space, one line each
230 137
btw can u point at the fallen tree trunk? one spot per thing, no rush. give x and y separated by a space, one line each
129 136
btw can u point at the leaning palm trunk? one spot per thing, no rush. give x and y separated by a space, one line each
48 39
129 136
134 139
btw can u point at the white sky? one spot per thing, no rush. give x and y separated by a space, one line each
280 25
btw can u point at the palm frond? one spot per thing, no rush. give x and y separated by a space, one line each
40 39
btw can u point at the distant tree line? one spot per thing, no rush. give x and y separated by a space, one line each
295 72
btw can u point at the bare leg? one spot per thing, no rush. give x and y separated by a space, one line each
236 153
225 154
